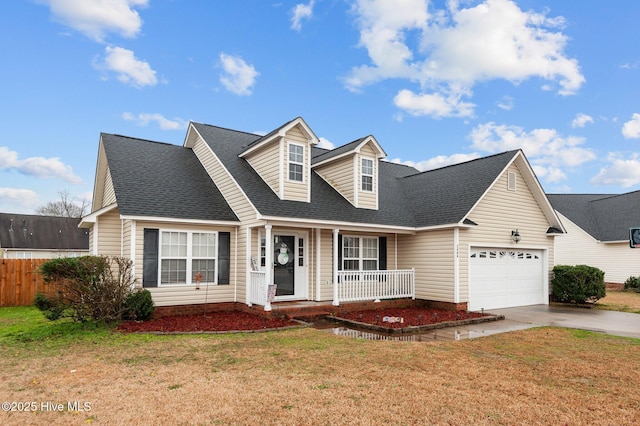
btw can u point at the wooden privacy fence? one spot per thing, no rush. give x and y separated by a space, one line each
20 282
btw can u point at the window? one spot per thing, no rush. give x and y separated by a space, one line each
296 162
367 174
184 254
360 253
23 255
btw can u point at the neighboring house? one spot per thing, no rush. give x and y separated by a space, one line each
41 237
242 211
597 228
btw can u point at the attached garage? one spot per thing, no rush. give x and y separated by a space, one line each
506 277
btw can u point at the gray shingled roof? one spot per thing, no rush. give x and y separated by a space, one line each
162 180
21 231
605 217
406 198
446 195
337 151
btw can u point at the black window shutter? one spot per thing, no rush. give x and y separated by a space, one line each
224 257
382 253
339 252
150 258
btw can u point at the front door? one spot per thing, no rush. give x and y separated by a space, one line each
284 273
289 271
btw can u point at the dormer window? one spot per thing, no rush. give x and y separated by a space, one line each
367 175
296 162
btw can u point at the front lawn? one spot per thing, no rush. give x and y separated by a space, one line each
306 376
623 301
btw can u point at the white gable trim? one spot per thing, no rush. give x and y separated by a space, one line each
356 150
534 185
90 219
222 166
281 132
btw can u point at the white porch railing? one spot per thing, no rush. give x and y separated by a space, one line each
257 288
354 286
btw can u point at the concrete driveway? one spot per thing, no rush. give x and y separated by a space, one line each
610 322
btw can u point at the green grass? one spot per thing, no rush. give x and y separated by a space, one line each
25 326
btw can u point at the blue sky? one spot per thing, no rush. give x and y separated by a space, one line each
436 82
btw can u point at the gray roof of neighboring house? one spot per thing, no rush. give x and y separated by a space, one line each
606 217
162 180
406 197
34 232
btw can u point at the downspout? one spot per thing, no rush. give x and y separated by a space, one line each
235 268
318 234
121 237
336 302
456 265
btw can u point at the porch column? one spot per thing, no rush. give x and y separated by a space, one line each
248 266
268 263
318 232
336 302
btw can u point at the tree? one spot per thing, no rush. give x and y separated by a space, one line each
65 207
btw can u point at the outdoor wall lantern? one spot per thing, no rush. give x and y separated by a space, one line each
515 236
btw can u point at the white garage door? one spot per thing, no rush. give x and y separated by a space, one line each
503 278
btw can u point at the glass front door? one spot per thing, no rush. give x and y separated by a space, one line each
284 262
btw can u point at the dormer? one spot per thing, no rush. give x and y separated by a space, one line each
352 169
283 160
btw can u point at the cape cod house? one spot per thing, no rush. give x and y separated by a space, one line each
229 213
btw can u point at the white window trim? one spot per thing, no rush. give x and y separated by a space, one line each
301 163
363 174
361 257
189 258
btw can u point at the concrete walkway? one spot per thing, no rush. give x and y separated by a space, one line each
610 322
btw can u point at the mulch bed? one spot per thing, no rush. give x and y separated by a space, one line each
394 318
245 321
210 322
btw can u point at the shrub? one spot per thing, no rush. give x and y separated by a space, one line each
578 284
50 310
139 305
632 284
88 287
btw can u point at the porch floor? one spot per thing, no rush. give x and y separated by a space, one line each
308 310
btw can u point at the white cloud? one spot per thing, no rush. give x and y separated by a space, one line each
620 171
439 161
325 143
549 152
40 167
301 11
96 18
433 104
23 199
239 77
129 69
581 120
631 129
164 123
459 47
506 103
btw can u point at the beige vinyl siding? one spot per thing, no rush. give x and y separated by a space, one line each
618 260
339 174
110 234
431 253
265 163
326 265
498 213
109 194
126 237
187 294
366 199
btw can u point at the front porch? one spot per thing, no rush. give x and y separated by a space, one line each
349 286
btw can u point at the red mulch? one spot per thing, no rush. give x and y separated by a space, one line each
245 321
413 316
212 321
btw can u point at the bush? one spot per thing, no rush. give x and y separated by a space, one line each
139 305
50 310
578 284
87 287
632 284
